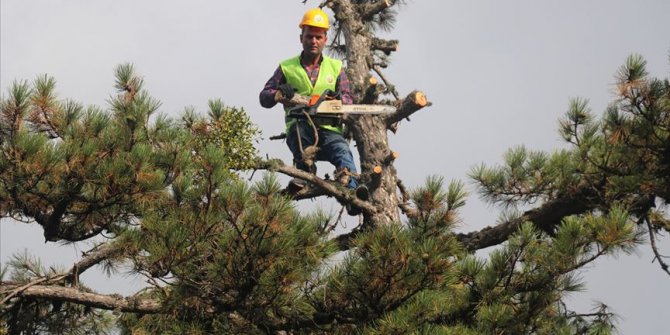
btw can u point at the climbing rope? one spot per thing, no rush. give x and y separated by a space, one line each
309 153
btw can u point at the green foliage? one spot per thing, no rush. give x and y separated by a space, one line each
226 256
228 129
624 156
617 170
45 316
242 254
79 170
521 287
527 176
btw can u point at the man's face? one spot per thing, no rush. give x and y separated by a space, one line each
313 40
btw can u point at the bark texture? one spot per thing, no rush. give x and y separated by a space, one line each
371 132
69 294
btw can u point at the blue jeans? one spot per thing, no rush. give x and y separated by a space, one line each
332 148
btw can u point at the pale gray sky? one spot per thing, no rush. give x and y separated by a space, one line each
499 74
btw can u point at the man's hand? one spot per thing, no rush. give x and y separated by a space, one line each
284 93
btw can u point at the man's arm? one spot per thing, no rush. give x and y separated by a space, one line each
267 96
344 87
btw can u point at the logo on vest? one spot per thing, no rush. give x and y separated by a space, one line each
330 79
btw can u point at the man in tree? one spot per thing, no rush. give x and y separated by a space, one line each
308 74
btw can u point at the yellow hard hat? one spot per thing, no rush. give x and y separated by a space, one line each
315 18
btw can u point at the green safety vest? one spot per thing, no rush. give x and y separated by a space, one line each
296 76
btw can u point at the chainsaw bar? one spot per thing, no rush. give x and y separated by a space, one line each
336 107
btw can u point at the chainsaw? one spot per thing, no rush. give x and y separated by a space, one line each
329 104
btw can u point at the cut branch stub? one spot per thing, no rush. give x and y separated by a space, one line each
372 91
385 46
392 157
408 106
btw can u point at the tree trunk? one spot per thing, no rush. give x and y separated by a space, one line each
369 132
371 138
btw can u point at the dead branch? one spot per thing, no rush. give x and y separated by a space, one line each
407 209
391 88
385 46
14 291
404 205
92 257
278 137
403 190
102 301
369 9
658 256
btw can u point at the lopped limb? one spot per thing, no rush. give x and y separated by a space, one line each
385 46
408 106
373 91
321 185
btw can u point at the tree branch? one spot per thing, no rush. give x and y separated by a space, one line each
385 46
18 289
654 248
369 9
323 187
373 91
547 217
408 210
390 87
93 257
408 106
344 241
108 302
404 205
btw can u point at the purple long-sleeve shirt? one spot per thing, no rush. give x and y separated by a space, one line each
267 96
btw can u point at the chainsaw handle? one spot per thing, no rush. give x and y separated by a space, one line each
326 94
314 103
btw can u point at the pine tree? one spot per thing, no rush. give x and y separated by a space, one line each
225 255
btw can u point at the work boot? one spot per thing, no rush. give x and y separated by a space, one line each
362 193
353 210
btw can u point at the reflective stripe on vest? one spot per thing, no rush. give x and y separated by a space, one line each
296 76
